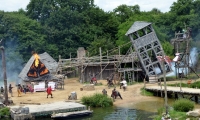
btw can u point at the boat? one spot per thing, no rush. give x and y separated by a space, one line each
74 114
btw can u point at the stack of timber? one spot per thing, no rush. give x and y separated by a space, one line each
153 79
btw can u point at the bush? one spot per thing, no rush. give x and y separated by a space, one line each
183 105
4 111
97 100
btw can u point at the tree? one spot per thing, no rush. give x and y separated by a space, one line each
21 34
123 12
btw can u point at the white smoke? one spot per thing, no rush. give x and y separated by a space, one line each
13 64
192 62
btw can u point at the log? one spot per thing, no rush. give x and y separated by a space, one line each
30 103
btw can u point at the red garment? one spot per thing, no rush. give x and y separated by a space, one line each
49 90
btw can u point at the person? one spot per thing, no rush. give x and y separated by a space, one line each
115 93
109 82
24 89
123 83
2 91
10 90
49 92
19 87
31 88
104 92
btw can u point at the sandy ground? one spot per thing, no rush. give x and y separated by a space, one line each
132 94
131 97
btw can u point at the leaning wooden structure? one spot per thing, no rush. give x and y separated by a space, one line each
148 49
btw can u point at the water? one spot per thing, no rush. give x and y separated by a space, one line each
113 113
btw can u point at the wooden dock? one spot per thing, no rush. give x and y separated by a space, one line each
45 109
177 91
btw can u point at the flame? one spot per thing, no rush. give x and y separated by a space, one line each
37 57
37 68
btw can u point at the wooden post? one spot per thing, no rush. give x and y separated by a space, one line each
100 62
60 64
196 98
164 75
4 75
176 96
160 88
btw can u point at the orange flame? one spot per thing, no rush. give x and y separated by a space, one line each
37 57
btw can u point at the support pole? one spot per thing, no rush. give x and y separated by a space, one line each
165 85
4 75
100 62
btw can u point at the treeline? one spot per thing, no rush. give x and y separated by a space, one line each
59 27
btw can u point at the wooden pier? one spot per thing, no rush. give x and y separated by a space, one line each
177 91
35 111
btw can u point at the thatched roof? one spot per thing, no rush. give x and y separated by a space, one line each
47 60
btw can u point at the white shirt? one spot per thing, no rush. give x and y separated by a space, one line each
124 82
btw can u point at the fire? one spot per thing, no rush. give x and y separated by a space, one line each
37 68
37 57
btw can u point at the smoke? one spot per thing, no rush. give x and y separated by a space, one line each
193 57
192 62
14 63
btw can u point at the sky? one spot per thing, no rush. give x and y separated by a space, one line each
106 5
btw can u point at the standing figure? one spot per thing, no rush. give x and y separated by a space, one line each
104 92
123 84
10 90
49 92
24 89
2 91
19 87
115 93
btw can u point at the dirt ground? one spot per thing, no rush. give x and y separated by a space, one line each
132 94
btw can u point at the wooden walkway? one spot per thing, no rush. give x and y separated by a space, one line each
178 92
183 90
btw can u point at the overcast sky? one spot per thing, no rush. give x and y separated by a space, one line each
106 5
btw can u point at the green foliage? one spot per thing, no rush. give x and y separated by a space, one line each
195 85
60 27
97 100
145 92
173 114
183 105
178 85
4 111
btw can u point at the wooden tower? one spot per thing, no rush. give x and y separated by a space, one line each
149 49
181 44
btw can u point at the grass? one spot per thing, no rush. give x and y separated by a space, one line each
145 92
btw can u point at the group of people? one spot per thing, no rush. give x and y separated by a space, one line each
24 89
116 93
9 90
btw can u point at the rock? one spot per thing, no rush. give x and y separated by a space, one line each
194 113
88 87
